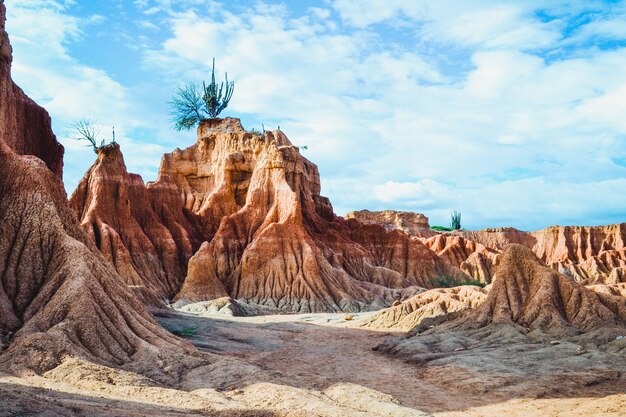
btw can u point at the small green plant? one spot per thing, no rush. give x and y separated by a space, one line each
447 281
185 332
474 282
85 130
191 104
455 222
440 228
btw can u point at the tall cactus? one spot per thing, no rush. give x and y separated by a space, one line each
216 99
455 223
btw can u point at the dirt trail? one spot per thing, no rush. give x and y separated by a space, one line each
323 365
315 351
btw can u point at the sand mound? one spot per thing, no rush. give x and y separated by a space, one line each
431 304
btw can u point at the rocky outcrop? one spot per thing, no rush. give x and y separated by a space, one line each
475 259
276 241
59 297
588 253
498 237
24 126
413 224
430 304
146 234
536 297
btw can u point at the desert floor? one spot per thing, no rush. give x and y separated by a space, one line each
321 364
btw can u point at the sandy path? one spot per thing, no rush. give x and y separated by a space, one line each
322 365
318 350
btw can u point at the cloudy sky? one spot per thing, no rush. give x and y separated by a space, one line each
511 112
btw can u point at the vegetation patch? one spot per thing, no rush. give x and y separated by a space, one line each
184 332
447 281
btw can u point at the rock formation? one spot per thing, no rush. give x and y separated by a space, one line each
589 254
59 296
24 126
276 241
583 252
413 224
475 259
532 295
146 234
433 303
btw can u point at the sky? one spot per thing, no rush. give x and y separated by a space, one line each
511 112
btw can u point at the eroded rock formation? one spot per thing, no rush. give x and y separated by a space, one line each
146 234
24 126
58 295
536 297
590 254
413 224
430 304
475 259
277 242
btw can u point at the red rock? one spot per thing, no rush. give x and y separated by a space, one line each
475 259
277 242
145 233
530 294
24 126
413 224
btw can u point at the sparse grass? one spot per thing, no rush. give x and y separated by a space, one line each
447 281
440 228
185 332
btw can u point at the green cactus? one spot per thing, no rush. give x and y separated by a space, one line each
455 223
190 104
216 99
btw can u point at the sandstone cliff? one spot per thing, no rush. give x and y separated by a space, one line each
274 240
475 259
586 253
58 295
589 254
24 126
147 235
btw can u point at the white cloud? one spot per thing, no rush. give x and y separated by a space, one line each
70 90
486 108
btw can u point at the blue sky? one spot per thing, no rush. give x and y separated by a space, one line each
511 112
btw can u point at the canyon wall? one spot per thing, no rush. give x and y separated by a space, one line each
590 254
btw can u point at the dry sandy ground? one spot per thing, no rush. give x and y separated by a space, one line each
321 364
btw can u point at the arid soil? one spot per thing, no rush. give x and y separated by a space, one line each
322 364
